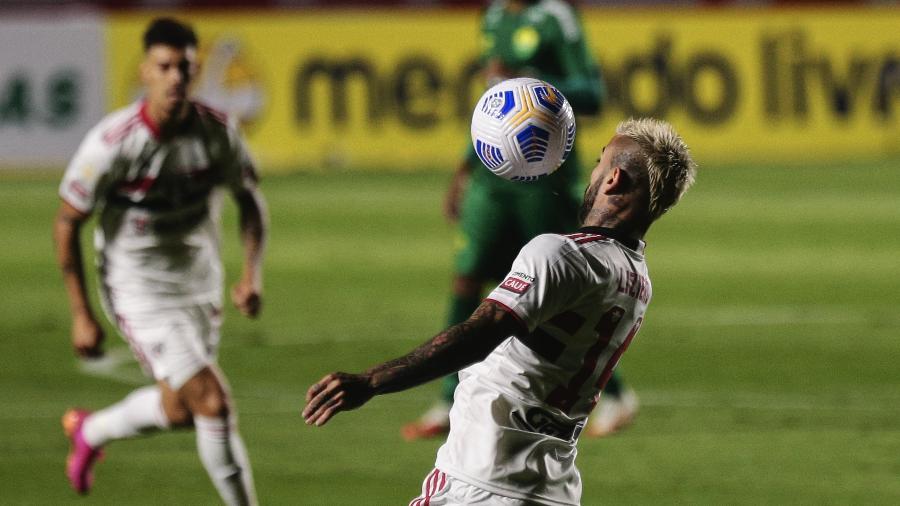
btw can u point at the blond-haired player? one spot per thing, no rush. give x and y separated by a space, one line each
542 345
154 173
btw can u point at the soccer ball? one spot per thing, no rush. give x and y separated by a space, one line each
523 129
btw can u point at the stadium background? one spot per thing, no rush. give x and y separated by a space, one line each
767 367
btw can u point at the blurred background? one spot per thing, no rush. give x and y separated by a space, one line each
766 369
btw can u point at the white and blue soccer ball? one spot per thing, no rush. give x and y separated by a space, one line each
523 129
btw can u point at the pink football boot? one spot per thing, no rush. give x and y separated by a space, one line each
81 456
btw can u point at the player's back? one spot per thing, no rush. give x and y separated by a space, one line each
582 298
568 357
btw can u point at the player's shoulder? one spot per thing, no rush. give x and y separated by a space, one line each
215 121
557 12
569 246
117 125
493 13
552 245
211 114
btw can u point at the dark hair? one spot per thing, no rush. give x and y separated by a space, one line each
169 32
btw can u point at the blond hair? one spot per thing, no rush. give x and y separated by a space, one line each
666 159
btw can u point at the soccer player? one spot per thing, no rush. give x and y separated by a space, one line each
545 341
154 172
542 39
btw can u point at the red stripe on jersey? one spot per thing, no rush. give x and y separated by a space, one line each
611 364
138 185
575 235
591 238
148 121
117 133
79 189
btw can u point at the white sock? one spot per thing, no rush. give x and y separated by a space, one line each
225 459
138 413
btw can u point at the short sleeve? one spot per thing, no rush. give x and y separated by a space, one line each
542 282
81 183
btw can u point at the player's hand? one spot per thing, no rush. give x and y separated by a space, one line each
453 198
87 337
339 391
247 298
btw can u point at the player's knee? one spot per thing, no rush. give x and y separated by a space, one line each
213 404
204 395
179 417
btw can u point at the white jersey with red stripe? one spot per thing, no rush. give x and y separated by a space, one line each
157 234
517 415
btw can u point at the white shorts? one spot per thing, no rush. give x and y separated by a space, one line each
441 489
174 344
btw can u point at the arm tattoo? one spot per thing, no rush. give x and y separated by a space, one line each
449 351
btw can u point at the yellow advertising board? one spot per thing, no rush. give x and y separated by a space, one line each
394 88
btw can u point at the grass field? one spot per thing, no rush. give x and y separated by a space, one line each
767 366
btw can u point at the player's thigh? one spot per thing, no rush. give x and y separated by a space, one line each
173 344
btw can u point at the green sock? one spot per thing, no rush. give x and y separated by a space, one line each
460 310
614 385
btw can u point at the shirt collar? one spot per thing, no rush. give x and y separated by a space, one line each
634 244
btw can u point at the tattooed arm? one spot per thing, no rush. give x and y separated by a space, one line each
447 352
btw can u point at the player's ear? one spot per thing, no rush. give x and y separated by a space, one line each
612 181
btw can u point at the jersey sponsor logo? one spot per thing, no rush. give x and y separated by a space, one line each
517 283
523 276
535 419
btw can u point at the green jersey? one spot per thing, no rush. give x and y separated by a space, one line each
543 39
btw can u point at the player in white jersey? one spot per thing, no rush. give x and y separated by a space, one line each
543 343
154 173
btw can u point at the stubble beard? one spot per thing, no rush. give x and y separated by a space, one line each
587 204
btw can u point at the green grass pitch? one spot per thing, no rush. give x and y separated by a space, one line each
767 365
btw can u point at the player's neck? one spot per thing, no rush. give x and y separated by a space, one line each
166 121
624 220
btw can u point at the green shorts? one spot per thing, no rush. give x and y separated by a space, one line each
498 219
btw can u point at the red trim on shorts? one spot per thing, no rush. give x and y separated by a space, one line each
434 483
135 347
